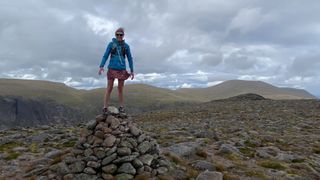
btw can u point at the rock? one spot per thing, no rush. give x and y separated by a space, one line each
127 168
100 118
89 170
162 170
124 176
126 159
77 167
144 147
110 169
210 175
91 124
99 134
84 176
183 149
53 154
111 151
109 159
113 110
134 130
203 165
115 123
228 149
88 152
99 152
137 163
107 176
109 141
61 168
124 151
146 159
93 164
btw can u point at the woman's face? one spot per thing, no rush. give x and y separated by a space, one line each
119 36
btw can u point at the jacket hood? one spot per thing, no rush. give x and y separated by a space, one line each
116 41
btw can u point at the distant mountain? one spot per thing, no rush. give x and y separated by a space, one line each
236 87
43 99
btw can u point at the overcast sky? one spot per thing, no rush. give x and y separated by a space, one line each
175 44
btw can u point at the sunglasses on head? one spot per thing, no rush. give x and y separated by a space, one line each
119 34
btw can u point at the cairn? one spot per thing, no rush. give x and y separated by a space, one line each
112 147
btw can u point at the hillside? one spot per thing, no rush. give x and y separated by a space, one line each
237 87
57 98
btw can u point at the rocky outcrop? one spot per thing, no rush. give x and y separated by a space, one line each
17 111
111 147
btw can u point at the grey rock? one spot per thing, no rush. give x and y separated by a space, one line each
137 163
134 130
60 168
88 152
141 138
124 151
93 164
210 175
162 170
124 176
99 134
109 169
89 170
183 149
91 124
111 151
53 154
77 167
126 159
203 165
146 159
113 110
109 159
107 176
127 168
228 149
84 176
125 143
115 123
144 147
109 141
99 152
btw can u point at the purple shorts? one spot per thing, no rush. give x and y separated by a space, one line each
117 74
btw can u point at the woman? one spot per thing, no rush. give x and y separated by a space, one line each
117 49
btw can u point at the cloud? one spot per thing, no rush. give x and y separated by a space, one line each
193 44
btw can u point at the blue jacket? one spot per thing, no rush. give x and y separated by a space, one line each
117 50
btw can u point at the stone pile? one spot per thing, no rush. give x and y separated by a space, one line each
112 148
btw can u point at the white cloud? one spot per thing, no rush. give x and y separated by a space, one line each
101 26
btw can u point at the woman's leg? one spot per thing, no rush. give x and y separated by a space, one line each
120 92
108 93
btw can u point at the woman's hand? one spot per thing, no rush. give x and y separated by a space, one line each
100 71
132 75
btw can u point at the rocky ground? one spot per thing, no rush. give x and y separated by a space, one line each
239 138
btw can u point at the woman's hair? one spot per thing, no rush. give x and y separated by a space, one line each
120 30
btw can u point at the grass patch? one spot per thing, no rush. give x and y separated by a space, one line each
9 146
298 160
247 152
255 173
250 144
12 155
68 144
233 157
272 165
33 147
316 149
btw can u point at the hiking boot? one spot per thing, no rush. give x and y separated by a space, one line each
105 110
122 110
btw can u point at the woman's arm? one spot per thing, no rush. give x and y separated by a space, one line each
106 55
